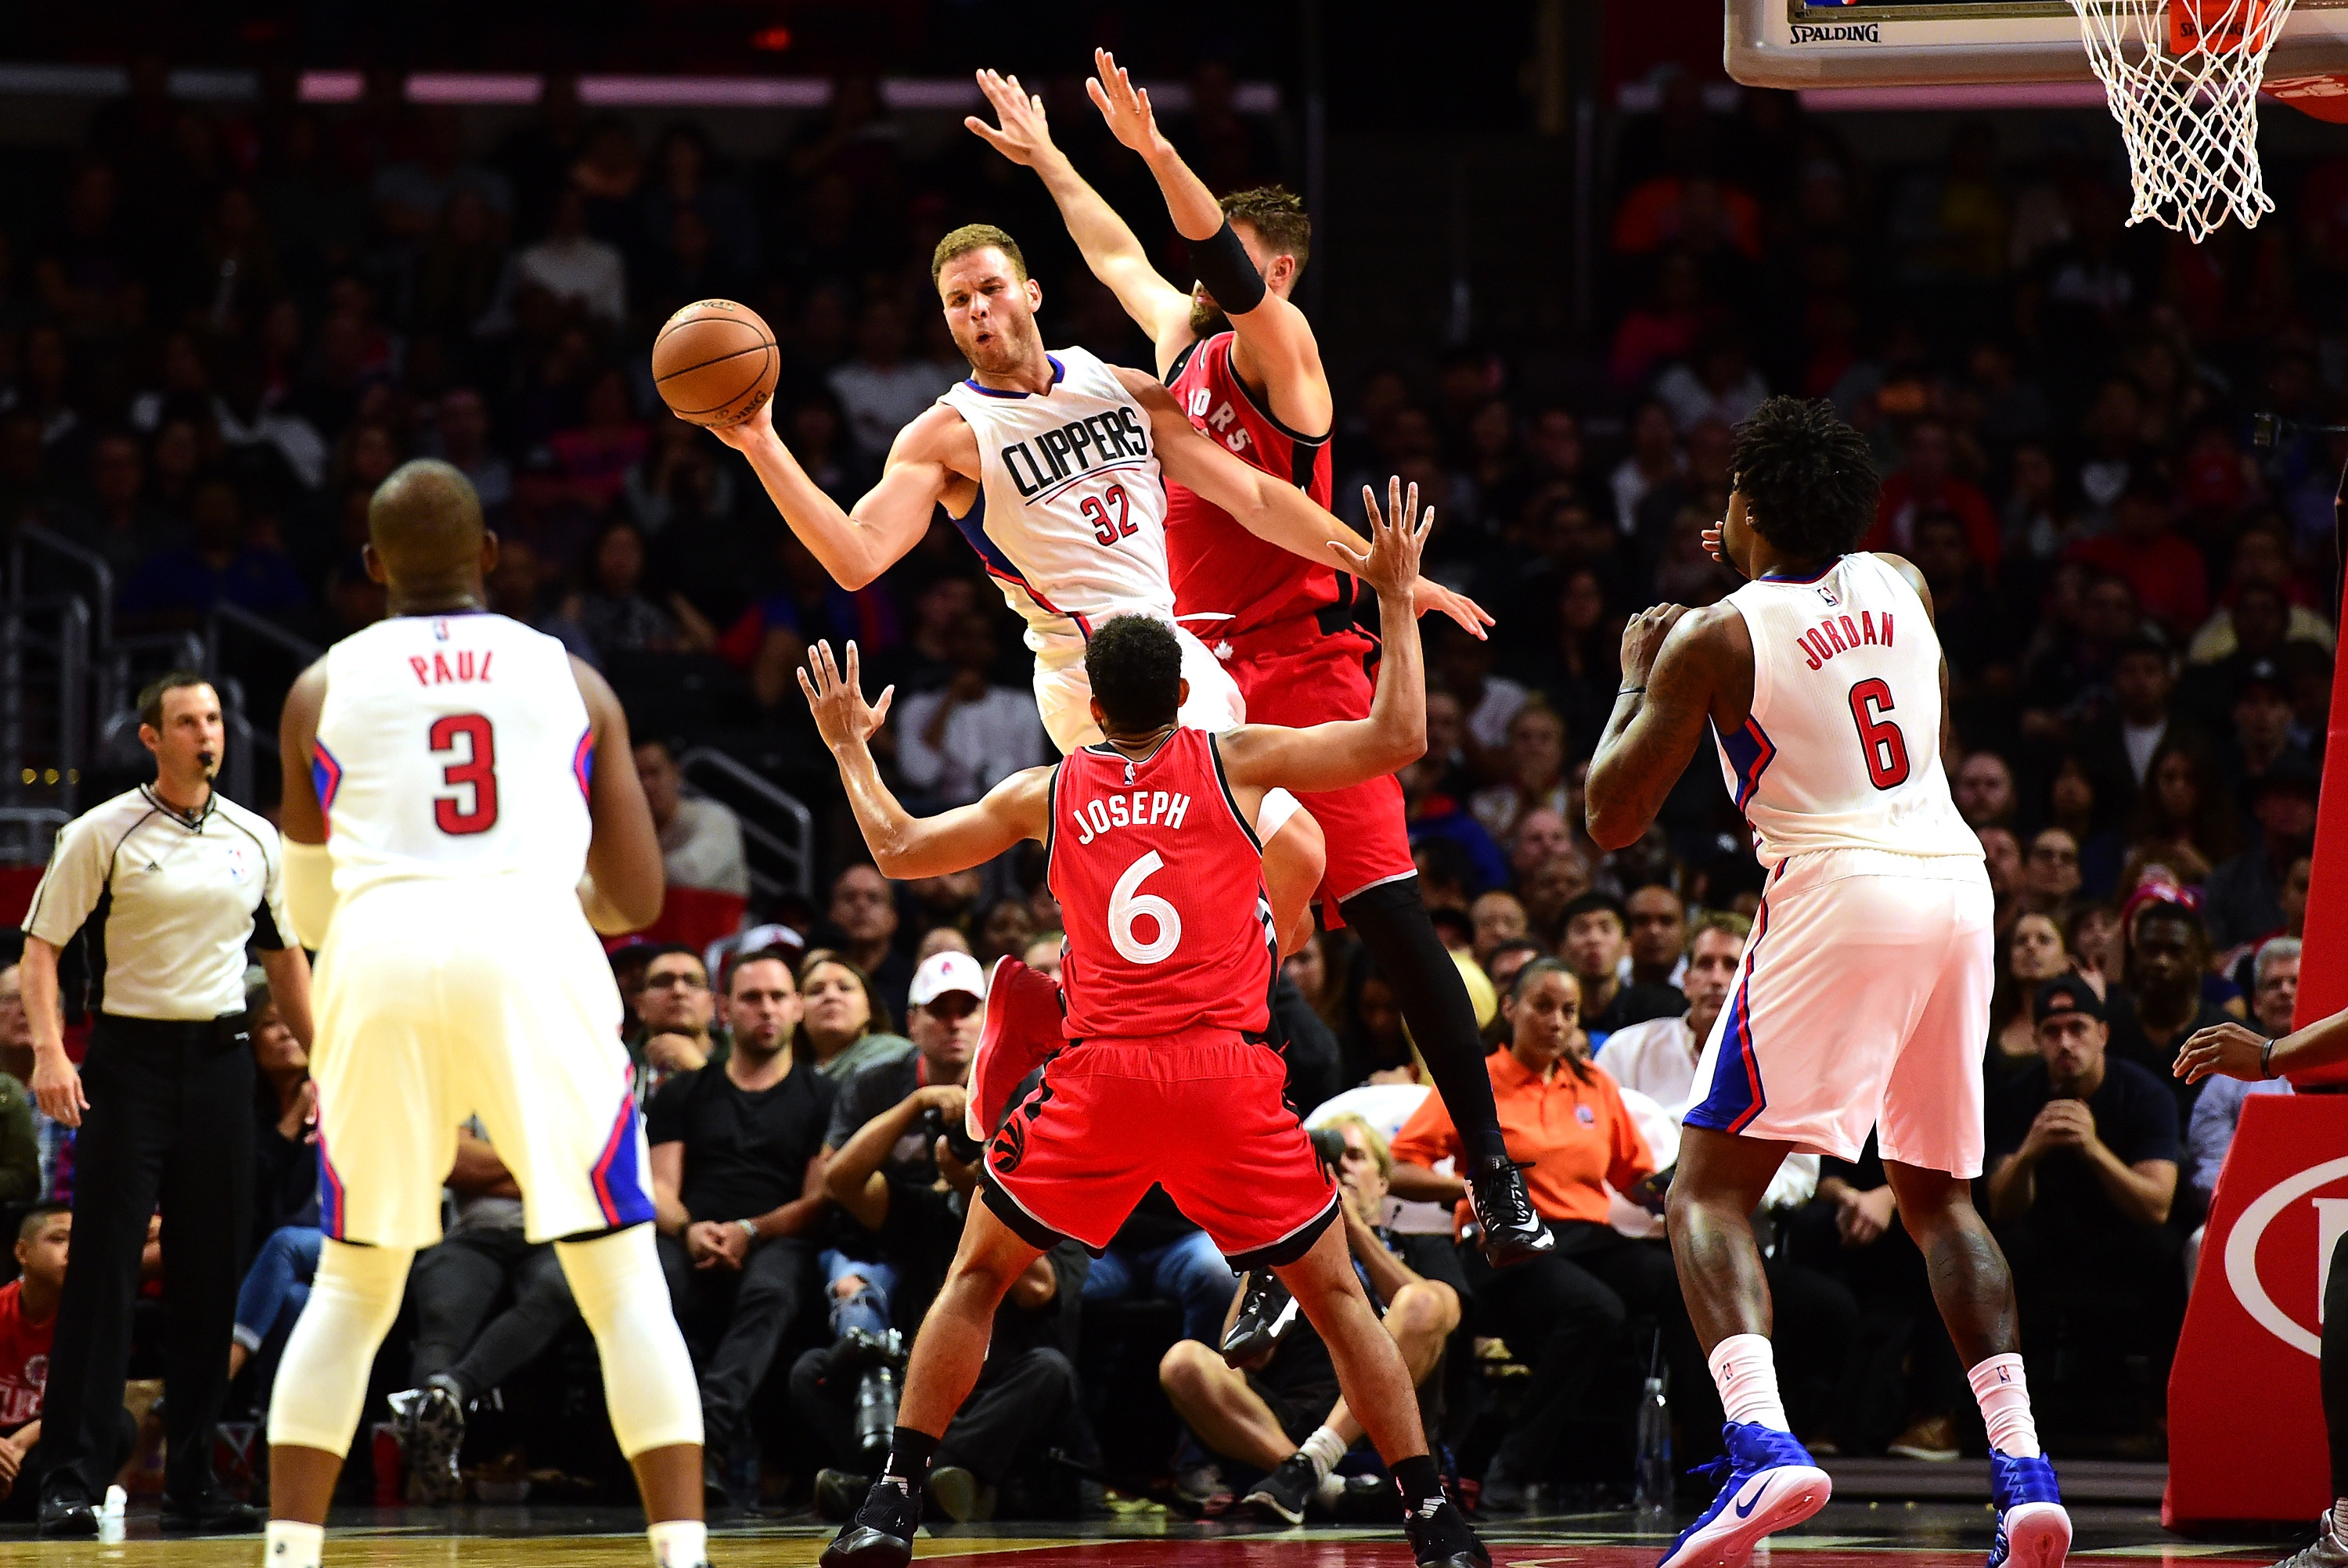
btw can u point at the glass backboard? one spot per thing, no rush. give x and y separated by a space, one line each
1919 43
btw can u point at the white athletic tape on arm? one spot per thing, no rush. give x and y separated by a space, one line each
1272 816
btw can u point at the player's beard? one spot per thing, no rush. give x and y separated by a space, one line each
1206 317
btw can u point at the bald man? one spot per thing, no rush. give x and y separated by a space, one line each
486 820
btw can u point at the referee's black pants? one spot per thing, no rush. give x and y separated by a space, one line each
170 1114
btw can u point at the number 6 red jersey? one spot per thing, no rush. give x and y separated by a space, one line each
1160 883
452 746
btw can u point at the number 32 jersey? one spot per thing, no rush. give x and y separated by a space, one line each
1843 747
1160 884
453 746
1071 515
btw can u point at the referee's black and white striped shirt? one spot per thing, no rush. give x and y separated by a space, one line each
171 902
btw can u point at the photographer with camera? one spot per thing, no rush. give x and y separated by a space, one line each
946 1006
1279 1411
1025 1401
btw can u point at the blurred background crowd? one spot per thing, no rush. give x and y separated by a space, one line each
222 323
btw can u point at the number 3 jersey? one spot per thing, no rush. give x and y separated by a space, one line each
1160 884
1843 747
1071 515
452 746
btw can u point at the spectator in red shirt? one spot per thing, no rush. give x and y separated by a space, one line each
1924 483
2170 580
29 1322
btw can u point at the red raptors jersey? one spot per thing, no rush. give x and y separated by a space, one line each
1227 581
1160 886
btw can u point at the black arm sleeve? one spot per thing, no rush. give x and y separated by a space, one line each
1223 266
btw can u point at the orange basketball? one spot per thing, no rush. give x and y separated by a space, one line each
716 363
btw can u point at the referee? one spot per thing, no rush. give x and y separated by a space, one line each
166 885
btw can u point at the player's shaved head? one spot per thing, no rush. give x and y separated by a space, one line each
426 539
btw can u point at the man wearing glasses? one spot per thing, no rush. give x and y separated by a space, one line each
676 1008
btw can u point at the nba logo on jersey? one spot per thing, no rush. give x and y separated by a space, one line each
1827 594
440 629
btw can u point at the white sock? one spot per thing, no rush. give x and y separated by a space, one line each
680 1544
2004 1396
290 1544
1746 1371
1324 1449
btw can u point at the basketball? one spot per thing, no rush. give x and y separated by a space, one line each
715 362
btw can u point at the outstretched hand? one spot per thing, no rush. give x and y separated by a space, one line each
1125 106
2228 1050
1025 135
1396 545
842 713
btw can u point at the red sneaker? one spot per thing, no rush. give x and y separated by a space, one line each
1021 1028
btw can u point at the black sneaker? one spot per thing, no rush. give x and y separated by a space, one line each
1512 1230
432 1422
881 1533
838 1494
1286 1491
1440 1536
1266 1312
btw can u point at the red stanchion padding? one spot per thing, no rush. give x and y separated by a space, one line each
2246 1435
16 884
2323 977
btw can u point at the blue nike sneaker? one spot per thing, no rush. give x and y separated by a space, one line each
1771 1483
2033 1530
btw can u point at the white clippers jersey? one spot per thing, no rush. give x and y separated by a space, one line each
453 746
1071 515
1843 747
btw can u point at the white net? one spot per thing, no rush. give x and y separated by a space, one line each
2182 78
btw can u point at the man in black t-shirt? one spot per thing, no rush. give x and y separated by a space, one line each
1025 1401
2082 1156
738 1185
2163 1005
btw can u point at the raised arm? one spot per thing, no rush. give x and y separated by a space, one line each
1676 662
1270 509
1276 343
855 547
1110 248
1351 750
903 844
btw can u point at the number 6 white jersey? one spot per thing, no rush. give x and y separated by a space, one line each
1071 517
1843 747
453 746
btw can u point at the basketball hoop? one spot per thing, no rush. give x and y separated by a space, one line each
2182 78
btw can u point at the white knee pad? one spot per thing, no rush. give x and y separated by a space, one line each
322 1382
648 1382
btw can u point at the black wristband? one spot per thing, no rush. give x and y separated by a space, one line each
2266 1059
1223 266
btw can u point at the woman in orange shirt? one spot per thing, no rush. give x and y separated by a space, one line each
1562 1311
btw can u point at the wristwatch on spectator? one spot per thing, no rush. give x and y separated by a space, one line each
749 1228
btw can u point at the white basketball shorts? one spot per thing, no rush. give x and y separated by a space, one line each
1862 1001
1064 695
441 999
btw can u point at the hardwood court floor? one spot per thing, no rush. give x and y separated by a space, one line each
1846 1535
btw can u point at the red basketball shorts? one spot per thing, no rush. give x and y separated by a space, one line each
1294 673
1198 1114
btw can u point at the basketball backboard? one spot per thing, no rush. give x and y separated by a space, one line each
1922 43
